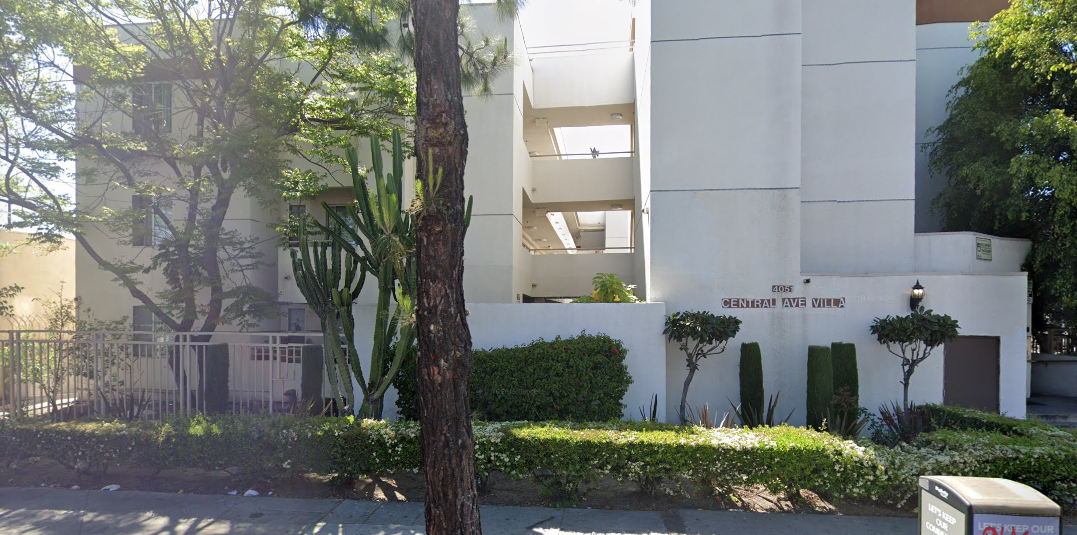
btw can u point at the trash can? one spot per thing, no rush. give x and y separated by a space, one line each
984 506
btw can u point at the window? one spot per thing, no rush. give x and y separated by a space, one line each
342 211
144 322
297 320
296 212
152 109
148 229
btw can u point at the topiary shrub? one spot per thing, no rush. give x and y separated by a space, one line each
912 338
698 335
582 378
820 384
843 358
751 377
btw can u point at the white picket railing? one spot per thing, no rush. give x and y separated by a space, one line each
131 375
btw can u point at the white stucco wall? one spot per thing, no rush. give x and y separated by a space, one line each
987 305
558 275
592 79
602 179
638 326
858 136
955 252
642 145
942 50
1054 375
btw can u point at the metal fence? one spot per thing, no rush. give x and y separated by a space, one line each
146 375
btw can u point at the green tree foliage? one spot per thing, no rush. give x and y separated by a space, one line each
180 107
820 384
912 338
1009 144
699 335
6 293
751 377
609 288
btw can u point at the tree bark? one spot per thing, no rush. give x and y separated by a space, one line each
444 358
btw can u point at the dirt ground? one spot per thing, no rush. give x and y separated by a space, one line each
498 490
405 486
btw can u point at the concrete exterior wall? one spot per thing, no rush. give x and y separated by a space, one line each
570 275
1054 375
603 179
566 81
641 234
942 50
42 275
858 134
785 333
955 252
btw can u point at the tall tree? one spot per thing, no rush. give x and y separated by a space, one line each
1008 147
444 360
172 110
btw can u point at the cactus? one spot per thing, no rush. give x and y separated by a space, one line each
379 234
820 384
330 291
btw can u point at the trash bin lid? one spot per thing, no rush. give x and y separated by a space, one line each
998 496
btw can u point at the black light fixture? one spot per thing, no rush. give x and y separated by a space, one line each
916 296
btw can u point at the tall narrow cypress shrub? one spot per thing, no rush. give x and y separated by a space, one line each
215 381
846 375
820 384
751 377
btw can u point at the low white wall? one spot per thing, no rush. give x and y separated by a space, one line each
638 326
1054 375
984 305
602 179
955 252
564 275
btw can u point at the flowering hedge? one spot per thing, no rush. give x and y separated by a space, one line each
781 458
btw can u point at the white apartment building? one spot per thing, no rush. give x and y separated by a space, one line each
756 158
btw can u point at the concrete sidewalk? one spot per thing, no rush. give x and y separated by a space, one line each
40 511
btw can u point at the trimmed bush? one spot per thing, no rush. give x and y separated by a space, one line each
751 377
820 384
843 357
582 378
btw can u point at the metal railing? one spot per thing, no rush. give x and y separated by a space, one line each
149 375
578 250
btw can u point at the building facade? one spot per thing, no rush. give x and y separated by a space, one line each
760 159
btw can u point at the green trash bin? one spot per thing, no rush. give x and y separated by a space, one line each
985 506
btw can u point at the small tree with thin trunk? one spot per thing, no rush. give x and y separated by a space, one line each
912 338
700 334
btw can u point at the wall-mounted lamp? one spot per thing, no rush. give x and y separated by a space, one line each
916 296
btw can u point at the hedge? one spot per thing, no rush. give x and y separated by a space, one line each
581 378
820 385
751 377
780 458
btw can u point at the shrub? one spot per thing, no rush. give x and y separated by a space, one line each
569 454
582 378
407 394
751 378
820 384
843 357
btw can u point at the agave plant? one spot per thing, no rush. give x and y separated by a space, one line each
752 417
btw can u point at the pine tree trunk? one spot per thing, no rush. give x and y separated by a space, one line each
444 358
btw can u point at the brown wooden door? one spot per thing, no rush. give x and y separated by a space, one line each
971 373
